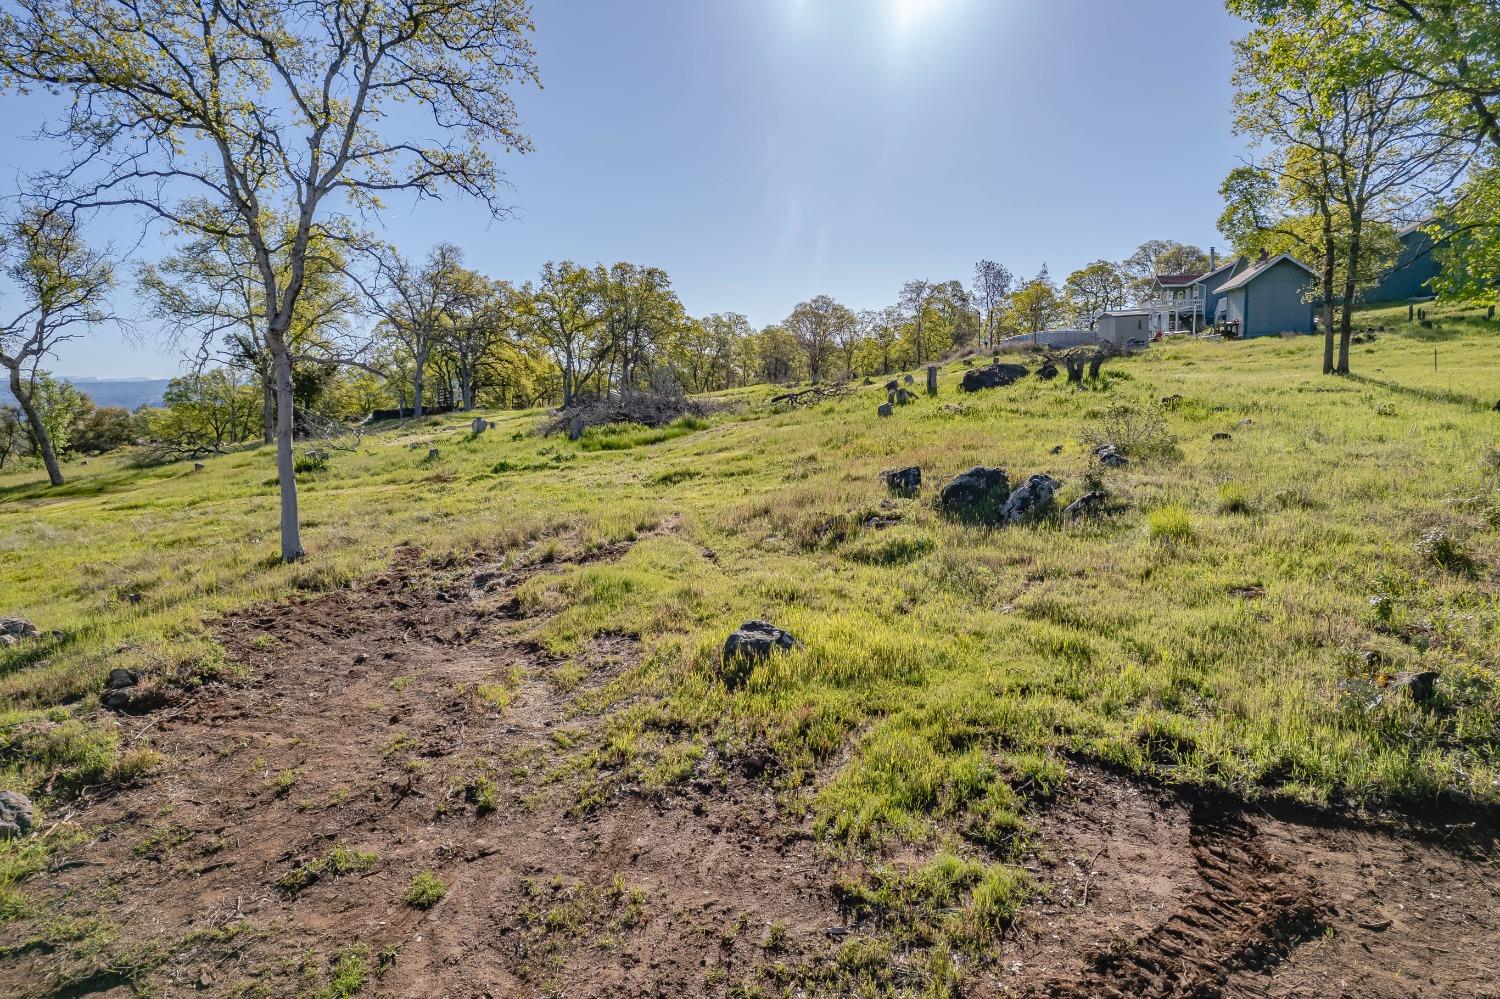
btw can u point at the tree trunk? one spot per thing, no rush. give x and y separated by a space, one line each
38 429
1346 316
286 476
267 409
419 372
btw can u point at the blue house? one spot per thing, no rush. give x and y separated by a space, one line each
1269 297
1186 303
1415 267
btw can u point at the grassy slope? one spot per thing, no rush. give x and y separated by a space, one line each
1222 640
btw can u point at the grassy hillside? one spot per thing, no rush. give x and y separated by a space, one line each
1236 621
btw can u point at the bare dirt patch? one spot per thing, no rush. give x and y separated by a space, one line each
408 726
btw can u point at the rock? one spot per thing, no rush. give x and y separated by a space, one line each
1170 400
7 641
133 597
752 642
575 427
905 481
995 376
976 495
1109 456
1058 449
17 815
1047 371
904 398
198 466
885 409
908 379
1088 505
119 679
893 385
1031 499
1421 686
479 426
932 384
432 454
1246 422
1222 436
17 627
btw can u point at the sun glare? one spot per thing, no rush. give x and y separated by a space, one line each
909 13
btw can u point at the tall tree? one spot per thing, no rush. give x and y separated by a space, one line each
419 305
914 300
1094 289
273 110
1036 305
1160 256
992 287
563 312
818 326
61 283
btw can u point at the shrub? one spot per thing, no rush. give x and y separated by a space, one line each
1135 433
311 462
426 890
1233 498
1170 523
1447 551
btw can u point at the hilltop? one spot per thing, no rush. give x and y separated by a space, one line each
480 741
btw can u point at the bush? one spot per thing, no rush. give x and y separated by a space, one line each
1233 498
1135 433
310 462
426 890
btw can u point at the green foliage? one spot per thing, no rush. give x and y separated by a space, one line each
1170 523
426 890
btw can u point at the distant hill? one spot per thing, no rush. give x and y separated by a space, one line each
132 393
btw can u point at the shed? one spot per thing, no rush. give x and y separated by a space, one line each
1270 297
1412 273
1121 325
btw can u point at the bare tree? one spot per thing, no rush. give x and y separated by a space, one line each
484 321
61 283
418 306
269 110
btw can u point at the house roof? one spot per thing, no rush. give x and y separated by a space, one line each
1174 280
1126 312
1260 267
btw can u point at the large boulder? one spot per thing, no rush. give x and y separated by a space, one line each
902 481
1088 505
992 376
976 495
1031 499
17 627
751 643
17 815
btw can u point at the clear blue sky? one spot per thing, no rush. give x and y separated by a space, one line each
764 151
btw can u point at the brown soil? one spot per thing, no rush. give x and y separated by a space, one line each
362 725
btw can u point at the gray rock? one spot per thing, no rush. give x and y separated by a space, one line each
908 379
119 679
1221 436
17 815
1031 499
1420 686
752 642
18 627
976 495
479 426
1047 371
893 385
994 376
1088 505
1109 456
575 427
885 409
7 641
904 481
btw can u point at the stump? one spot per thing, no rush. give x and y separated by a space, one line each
932 379
575 427
479 426
432 454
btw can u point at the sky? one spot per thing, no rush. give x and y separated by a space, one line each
766 151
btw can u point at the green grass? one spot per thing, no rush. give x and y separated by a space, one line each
938 661
426 890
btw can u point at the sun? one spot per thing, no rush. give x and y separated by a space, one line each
908 13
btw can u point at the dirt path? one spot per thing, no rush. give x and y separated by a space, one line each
407 726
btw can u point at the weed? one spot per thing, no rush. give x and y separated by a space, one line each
1170 524
426 890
